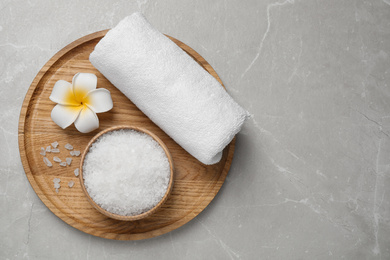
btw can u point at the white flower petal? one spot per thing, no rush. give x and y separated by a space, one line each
87 121
62 93
83 83
64 116
99 100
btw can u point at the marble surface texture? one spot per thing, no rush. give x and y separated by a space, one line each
311 174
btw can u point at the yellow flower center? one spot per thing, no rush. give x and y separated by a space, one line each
79 94
77 97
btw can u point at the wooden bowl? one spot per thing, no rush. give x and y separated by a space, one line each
122 217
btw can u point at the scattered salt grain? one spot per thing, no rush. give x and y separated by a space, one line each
69 146
55 144
48 149
76 172
63 164
125 182
55 150
43 151
47 162
56 159
57 184
75 153
68 160
70 184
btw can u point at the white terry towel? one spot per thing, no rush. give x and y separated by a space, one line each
172 89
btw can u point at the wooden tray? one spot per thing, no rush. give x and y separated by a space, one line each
195 184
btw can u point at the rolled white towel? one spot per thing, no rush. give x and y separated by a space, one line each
172 89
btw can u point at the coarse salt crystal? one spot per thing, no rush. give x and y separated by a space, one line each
56 159
69 146
70 184
74 153
63 164
55 144
56 180
76 172
47 162
57 185
125 182
48 149
57 190
68 160
55 150
43 151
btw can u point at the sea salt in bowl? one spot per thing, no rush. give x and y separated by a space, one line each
126 172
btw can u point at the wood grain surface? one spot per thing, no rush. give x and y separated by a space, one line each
195 184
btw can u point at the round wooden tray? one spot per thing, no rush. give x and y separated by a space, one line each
195 185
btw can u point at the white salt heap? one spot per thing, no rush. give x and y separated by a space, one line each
126 172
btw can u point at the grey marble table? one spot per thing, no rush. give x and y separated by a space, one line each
311 174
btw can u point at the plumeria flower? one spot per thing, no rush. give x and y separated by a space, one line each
79 101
